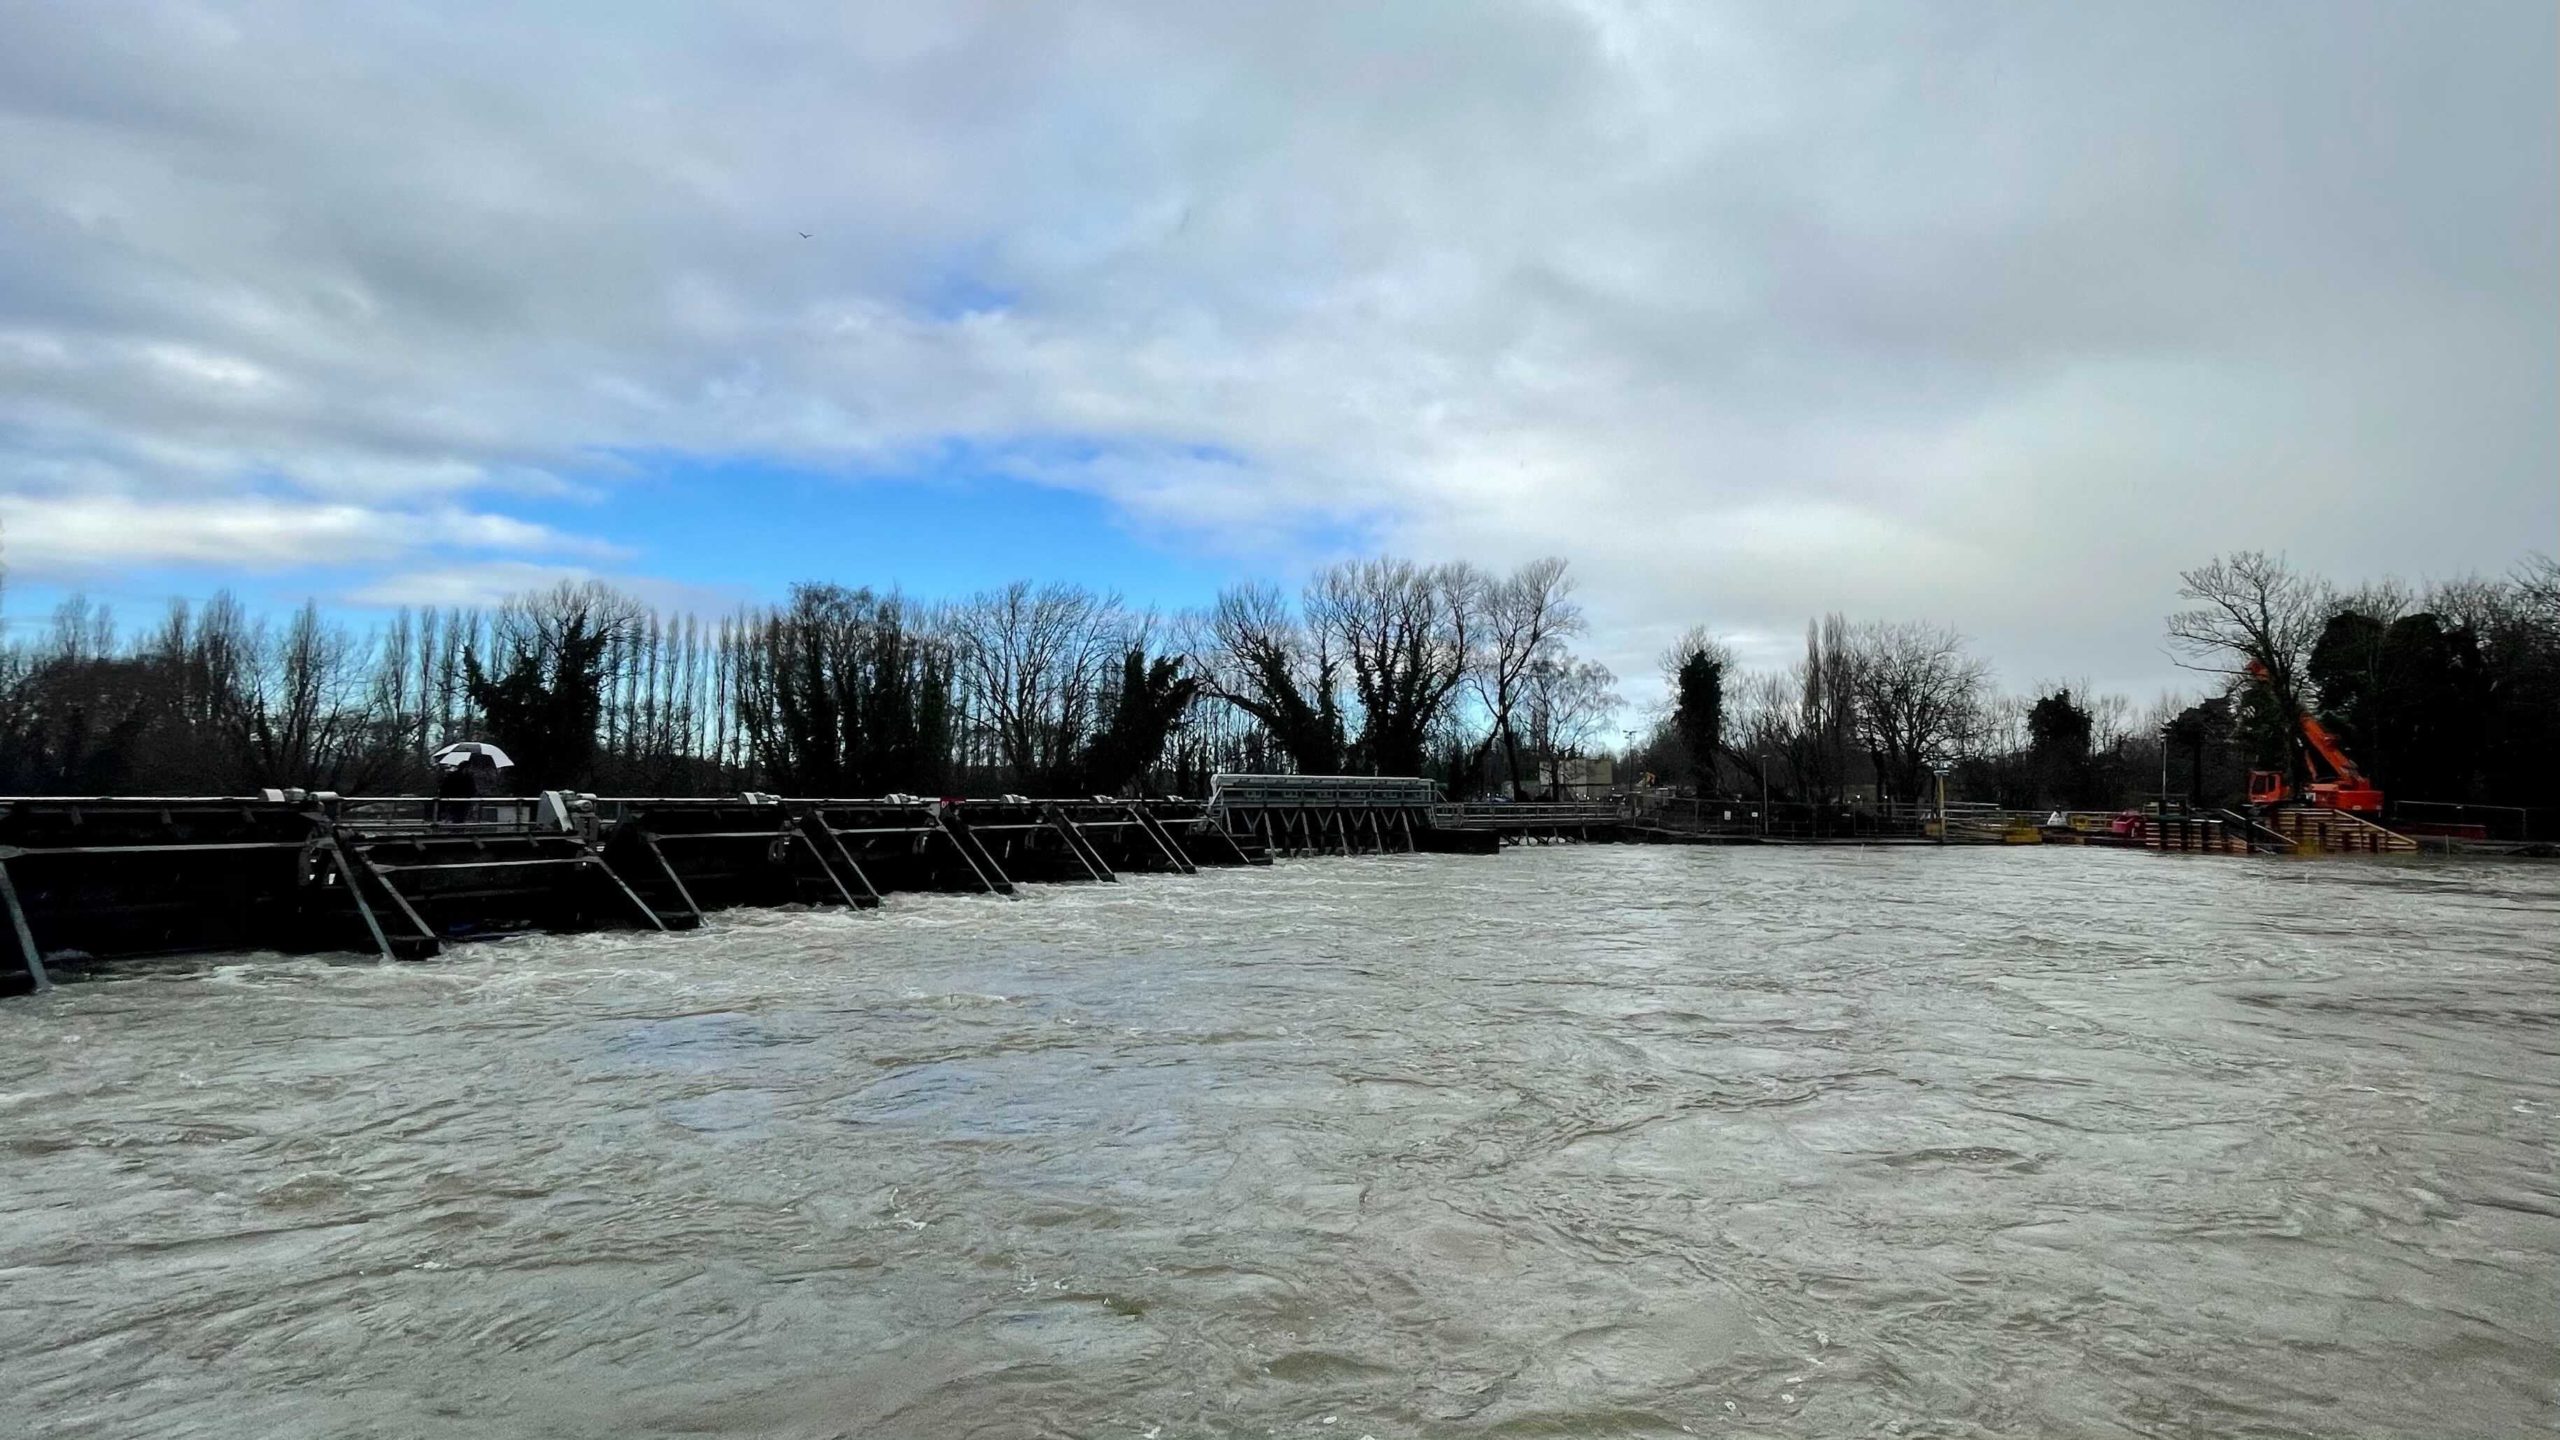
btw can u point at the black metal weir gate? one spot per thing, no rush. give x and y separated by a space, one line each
84 881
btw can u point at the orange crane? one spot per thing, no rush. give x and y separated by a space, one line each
2346 788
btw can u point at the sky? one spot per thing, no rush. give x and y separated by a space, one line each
1992 315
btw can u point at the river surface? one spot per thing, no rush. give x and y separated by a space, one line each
1573 1141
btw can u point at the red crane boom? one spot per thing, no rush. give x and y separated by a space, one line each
2346 787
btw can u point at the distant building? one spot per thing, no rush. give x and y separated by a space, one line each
1582 778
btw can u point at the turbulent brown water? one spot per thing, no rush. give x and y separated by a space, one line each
1581 1141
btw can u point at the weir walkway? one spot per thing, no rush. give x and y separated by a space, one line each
84 881
87 880
1342 814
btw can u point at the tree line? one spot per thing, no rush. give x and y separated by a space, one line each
1378 665
2448 693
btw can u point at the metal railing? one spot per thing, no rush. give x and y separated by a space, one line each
1784 819
2463 819
1534 813
1366 791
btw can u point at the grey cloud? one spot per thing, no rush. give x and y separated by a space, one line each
1995 314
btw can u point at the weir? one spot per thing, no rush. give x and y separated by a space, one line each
89 880
86 881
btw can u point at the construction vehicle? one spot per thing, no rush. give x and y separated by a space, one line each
2346 787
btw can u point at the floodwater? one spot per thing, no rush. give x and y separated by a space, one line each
1576 1141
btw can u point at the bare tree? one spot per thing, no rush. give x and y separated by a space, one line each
2385 600
82 631
1567 701
1765 721
389 698
2537 587
2254 619
306 725
1827 712
457 715
1919 696
1034 662
2112 721
429 661
2001 726
214 658
1526 617
1405 632
1263 662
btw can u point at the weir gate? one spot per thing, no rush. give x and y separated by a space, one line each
1365 814
89 880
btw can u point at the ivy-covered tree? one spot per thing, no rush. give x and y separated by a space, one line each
2060 751
1153 696
541 700
838 694
1697 714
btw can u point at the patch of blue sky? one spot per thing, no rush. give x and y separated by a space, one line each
139 596
957 295
941 519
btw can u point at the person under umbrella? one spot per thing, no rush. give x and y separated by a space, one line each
466 771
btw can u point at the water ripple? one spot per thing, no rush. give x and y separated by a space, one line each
1580 1141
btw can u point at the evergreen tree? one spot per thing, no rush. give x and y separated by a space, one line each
1151 700
2060 751
1697 716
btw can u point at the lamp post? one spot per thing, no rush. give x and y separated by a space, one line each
1764 794
2164 772
1942 802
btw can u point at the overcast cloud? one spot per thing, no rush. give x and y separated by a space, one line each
1991 314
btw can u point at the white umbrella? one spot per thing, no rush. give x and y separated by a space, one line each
461 751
